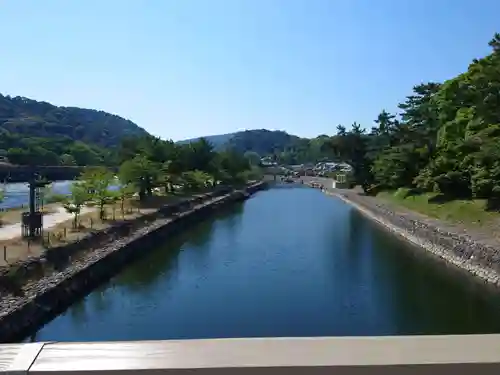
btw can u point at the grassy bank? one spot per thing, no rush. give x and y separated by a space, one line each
463 211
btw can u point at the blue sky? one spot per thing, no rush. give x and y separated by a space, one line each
185 68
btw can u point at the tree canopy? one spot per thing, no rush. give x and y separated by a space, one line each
446 138
148 162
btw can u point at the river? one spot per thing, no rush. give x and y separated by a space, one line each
17 194
290 261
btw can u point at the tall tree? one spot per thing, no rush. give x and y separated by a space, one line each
142 173
97 181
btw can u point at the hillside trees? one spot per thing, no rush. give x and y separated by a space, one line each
33 132
446 138
163 164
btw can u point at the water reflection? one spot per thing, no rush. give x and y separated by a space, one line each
425 295
17 194
288 262
164 264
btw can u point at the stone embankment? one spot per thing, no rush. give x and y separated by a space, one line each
460 249
43 299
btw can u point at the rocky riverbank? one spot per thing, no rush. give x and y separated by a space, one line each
45 298
473 255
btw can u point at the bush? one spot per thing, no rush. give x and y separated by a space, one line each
402 193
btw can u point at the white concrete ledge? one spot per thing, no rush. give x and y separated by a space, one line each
468 354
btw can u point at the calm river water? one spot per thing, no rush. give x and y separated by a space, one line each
17 194
287 262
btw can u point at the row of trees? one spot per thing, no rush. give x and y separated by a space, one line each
149 164
445 139
21 150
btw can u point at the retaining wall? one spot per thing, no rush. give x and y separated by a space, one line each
478 259
51 295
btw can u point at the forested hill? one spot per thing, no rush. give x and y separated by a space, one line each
218 141
33 130
280 144
261 141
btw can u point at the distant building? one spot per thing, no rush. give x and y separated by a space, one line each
267 162
341 181
297 167
325 167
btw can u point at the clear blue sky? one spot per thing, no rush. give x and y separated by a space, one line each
185 68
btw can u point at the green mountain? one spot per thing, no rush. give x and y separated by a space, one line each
279 145
34 131
218 141
261 141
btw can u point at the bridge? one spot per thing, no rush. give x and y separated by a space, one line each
398 355
22 173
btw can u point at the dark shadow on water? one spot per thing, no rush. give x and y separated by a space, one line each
428 295
163 262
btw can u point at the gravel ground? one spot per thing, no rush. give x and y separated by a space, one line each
8 232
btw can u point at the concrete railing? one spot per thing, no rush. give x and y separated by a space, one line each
411 355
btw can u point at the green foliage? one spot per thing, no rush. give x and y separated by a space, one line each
228 165
196 180
149 162
40 133
253 158
67 160
446 138
470 211
402 193
263 142
46 193
124 192
96 181
141 172
253 174
76 200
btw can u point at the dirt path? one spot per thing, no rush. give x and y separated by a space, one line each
8 232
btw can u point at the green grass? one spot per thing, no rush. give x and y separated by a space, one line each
456 211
